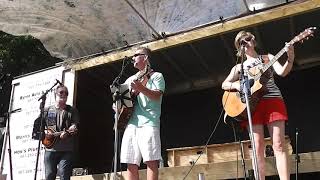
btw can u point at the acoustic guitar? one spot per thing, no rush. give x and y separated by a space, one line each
50 140
231 100
126 112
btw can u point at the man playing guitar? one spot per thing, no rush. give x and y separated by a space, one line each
141 138
61 121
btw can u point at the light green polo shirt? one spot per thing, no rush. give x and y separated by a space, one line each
146 111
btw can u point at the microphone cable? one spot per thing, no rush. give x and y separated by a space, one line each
206 145
213 131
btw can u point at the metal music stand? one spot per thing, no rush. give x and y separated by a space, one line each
245 89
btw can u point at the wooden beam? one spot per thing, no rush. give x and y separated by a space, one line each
309 162
240 23
281 12
305 63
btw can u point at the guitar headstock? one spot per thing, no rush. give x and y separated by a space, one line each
304 35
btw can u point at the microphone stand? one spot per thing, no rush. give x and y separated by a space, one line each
237 138
9 141
42 104
297 157
243 163
7 134
114 87
3 80
245 88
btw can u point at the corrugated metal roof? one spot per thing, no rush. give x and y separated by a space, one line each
72 29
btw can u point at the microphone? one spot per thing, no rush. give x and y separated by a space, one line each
16 110
243 42
13 111
241 50
59 82
126 58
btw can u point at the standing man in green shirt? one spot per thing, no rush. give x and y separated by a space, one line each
141 139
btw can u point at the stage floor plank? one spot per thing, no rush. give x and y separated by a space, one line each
309 162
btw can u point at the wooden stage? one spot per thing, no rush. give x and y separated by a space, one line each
309 162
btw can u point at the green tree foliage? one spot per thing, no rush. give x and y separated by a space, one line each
20 55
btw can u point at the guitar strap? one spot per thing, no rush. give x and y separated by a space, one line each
61 119
147 78
45 114
148 75
66 116
225 117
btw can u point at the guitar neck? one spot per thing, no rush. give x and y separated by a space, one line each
270 63
273 60
302 36
57 133
60 132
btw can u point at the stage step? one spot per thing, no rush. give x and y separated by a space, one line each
216 153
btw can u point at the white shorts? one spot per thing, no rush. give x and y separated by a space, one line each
140 143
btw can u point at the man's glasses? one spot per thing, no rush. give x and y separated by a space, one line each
138 54
63 93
